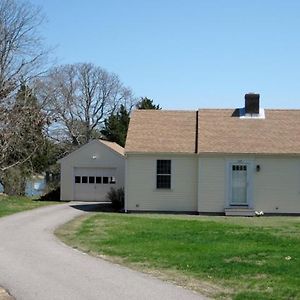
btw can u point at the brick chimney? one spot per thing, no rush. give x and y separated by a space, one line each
252 103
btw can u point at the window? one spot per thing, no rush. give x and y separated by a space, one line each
239 168
98 179
77 179
112 180
84 179
163 174
91 179
105 180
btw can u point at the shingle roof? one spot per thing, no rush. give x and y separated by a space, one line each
114 146
162 131
278 133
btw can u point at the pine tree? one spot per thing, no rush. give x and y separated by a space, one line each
146 103
27 141
116 126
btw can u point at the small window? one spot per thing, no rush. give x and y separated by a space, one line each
91 179
77 179
112 180
84 179
105 180
98 179
163 174
239 168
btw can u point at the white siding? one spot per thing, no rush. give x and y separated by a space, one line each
276 187
212 184
83 158
141 192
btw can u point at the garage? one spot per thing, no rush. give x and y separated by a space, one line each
89 173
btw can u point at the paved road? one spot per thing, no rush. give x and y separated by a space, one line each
34 265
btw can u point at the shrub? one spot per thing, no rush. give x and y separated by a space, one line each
14 181
53 195
116 196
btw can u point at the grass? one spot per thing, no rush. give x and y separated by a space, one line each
11 205
236 258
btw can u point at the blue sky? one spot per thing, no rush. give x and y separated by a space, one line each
185 54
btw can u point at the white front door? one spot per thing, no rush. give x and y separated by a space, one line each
239 184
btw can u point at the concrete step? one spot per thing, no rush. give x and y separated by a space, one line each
239 211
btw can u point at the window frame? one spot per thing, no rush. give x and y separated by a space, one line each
91 180
84 179
163 174
75 179
112 180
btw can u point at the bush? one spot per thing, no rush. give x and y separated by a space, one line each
117 198
53 195
14 181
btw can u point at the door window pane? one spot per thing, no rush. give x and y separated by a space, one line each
84 179
98 179
105 180
77 179
239 184
91 179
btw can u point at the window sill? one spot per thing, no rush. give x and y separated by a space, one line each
163 190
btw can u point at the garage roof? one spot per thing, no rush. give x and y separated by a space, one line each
114 146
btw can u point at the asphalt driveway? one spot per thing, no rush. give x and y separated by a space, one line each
35 265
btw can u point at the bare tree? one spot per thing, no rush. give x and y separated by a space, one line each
80 97
21 58
21 46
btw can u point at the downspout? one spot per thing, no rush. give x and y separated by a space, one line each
125 188
198 163
196 137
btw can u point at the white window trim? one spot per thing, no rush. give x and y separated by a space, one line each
155 176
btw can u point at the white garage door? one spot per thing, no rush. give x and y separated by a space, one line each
93 184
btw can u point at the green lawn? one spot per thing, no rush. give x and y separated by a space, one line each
238 258
11 205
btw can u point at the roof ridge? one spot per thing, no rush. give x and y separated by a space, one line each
283 109
165 110
268 109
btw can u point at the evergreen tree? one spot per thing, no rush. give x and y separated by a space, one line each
116 126
146 103
27 141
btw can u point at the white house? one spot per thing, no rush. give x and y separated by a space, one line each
88 173
233 161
